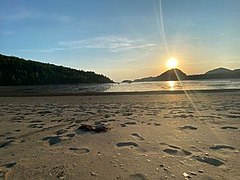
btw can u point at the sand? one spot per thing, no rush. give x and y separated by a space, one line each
150 136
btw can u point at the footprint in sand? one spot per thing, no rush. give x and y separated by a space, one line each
175 150
222 147
52 139
137 136
130 145
229 127
137 176
188 127
127 144
170 151
79 150
208 160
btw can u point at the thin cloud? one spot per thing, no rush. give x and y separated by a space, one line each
41 50
111 43
20 15
31 14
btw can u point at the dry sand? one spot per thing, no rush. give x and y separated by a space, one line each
151 137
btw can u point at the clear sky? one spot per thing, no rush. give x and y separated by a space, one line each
123 39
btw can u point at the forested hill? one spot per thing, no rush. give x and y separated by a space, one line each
17 71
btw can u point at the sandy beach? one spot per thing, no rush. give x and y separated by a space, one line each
148 136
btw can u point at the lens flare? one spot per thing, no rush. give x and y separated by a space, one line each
172 63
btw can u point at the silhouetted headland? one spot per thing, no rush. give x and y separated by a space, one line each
18 71
177 74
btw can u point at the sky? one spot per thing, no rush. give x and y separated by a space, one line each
123 39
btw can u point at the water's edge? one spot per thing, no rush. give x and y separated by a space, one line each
118 93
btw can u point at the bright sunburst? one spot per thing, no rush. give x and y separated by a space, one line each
172 63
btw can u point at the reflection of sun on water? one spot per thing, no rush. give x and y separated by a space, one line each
171 85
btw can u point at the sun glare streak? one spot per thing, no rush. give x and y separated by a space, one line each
173 64
190 100
162 31
196 109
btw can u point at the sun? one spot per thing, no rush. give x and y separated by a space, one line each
172 63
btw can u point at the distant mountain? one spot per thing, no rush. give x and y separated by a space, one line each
176 74
219 71
170 75
236 71
127 81
17 71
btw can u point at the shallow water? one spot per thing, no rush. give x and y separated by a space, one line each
175 85
125 87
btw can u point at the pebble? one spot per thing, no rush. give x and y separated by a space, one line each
181 162
93 174
165 169
186 175
200 171
193 173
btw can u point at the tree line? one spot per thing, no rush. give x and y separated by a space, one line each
18 71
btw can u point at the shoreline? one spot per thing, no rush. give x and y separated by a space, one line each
44 94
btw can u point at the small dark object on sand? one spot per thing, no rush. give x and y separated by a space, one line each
97 128
101 128
86 127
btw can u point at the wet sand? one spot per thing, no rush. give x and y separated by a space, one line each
150 136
